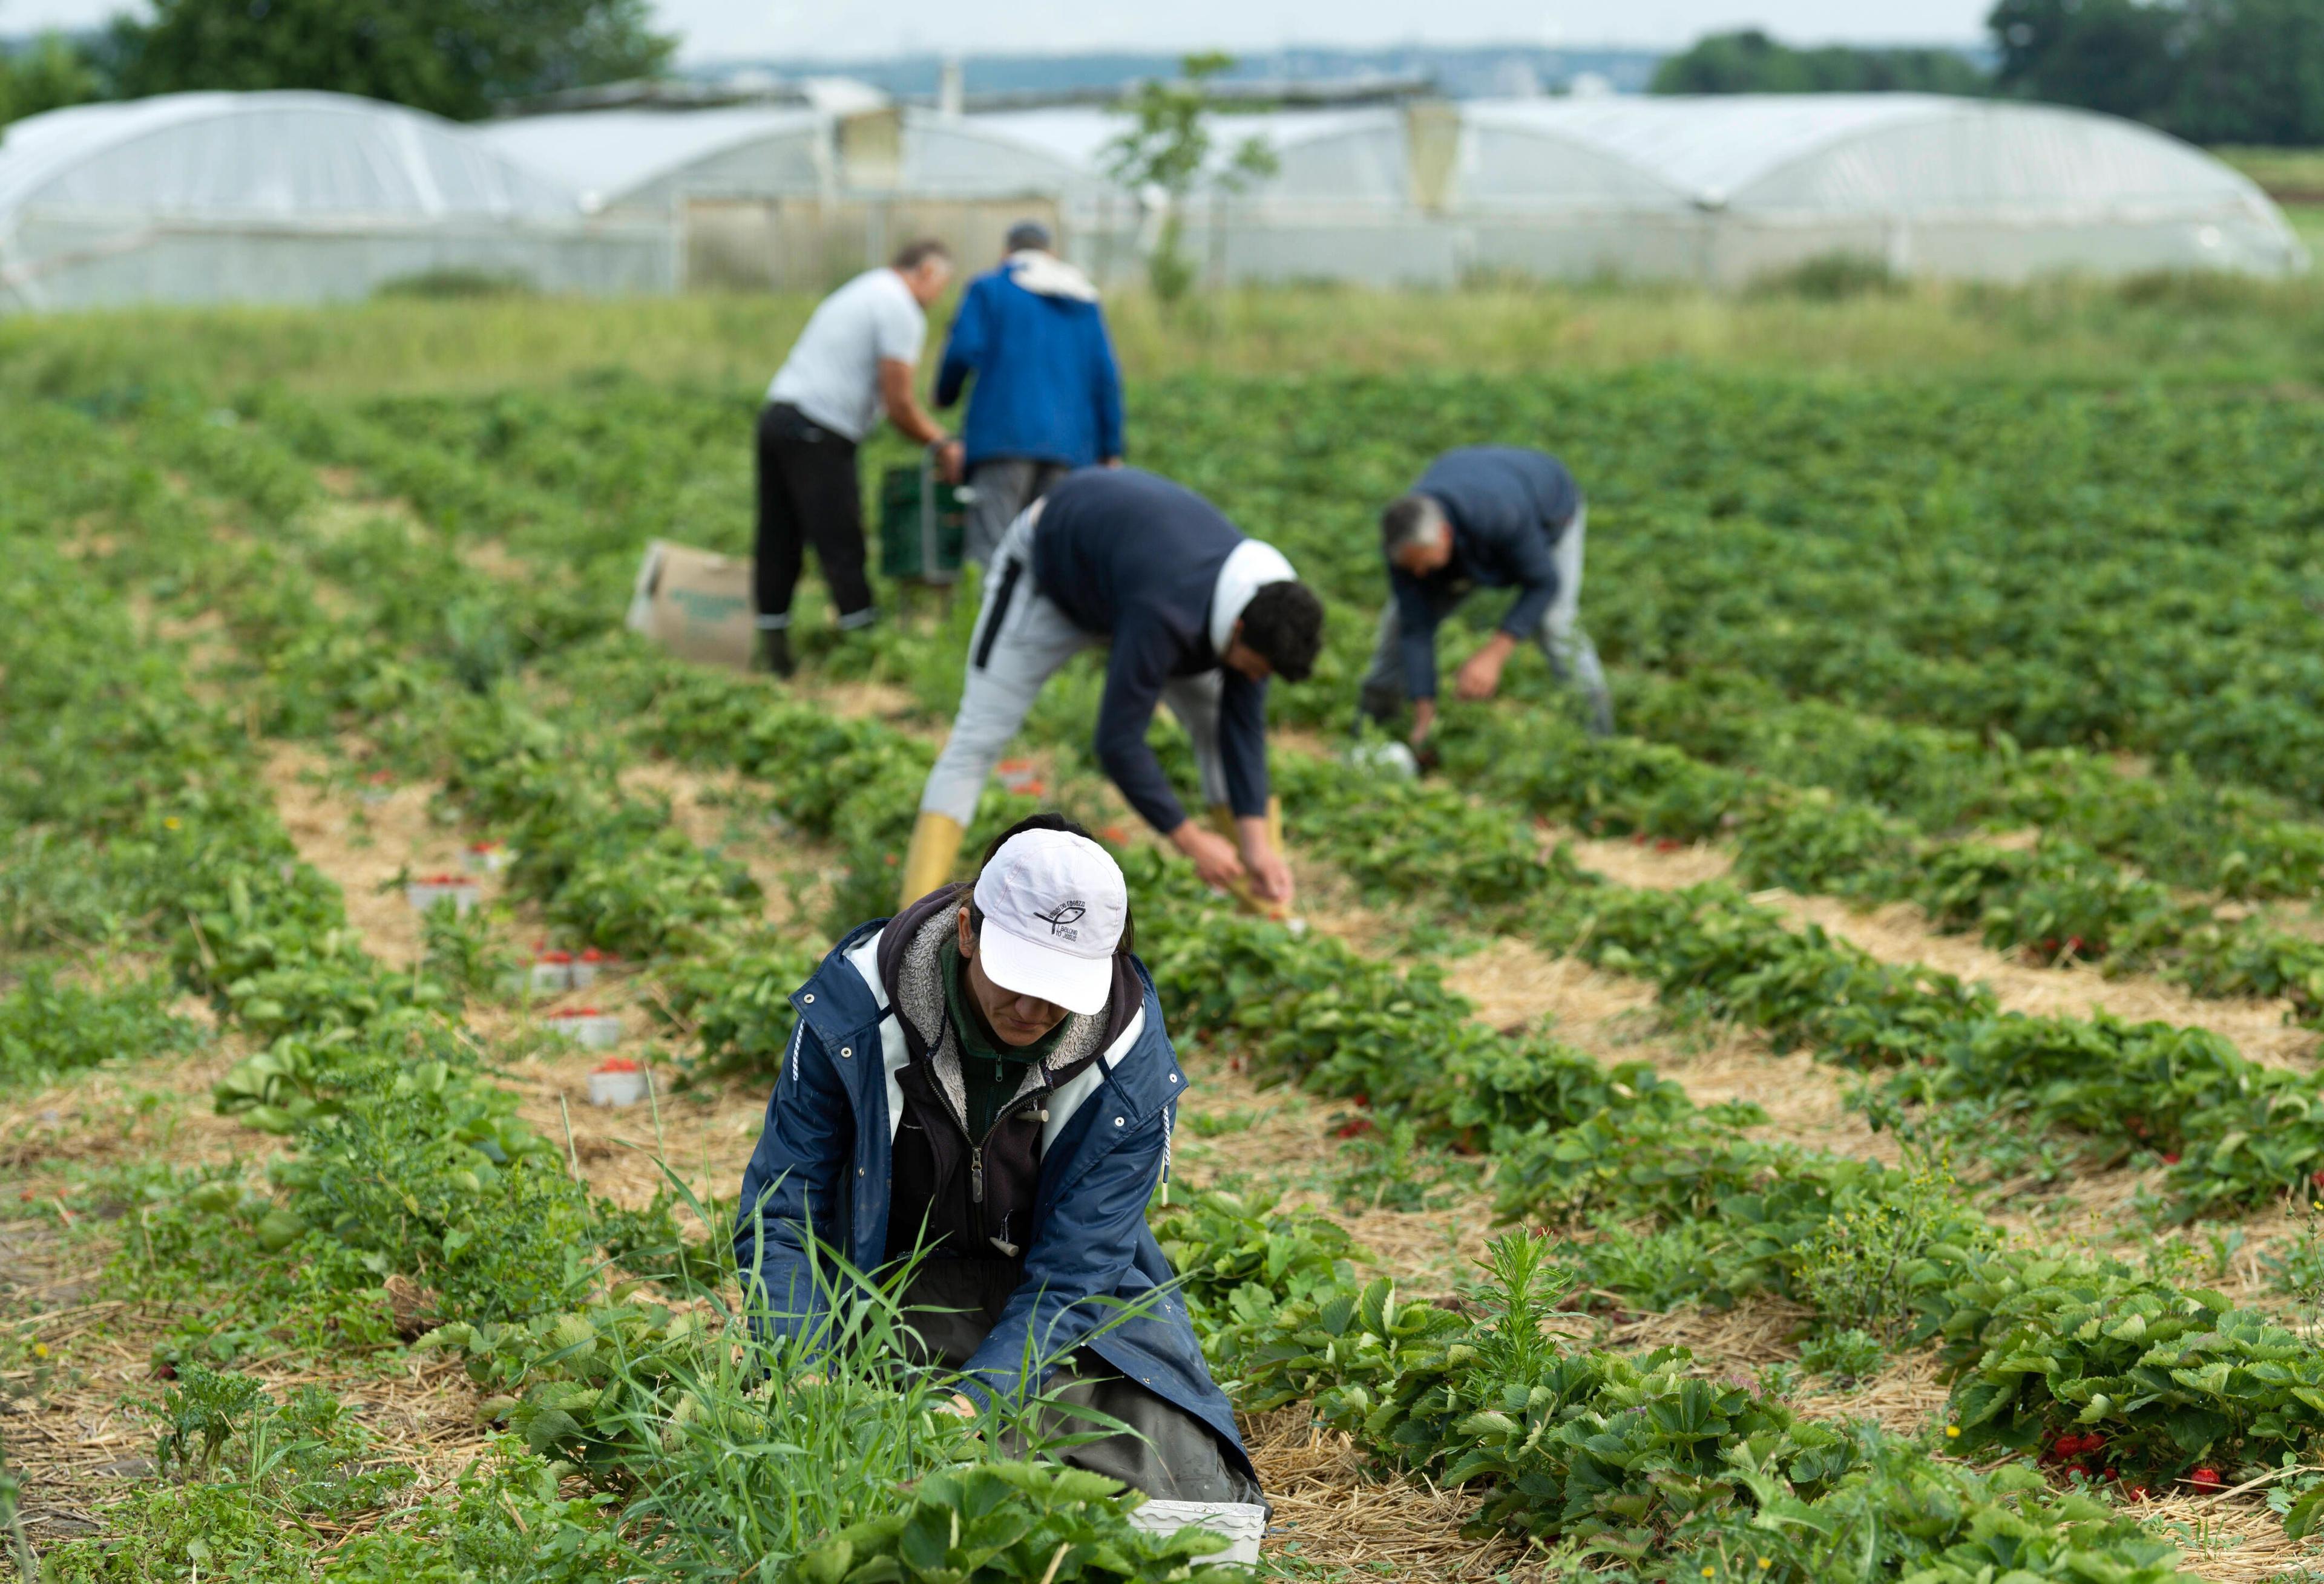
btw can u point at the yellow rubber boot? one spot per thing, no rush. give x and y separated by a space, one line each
928 860
1222 820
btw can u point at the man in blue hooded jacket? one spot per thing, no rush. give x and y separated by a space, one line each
1047 394
984 1081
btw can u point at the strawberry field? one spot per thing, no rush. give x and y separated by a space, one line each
1862 1123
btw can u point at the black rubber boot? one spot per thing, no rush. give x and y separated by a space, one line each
775 651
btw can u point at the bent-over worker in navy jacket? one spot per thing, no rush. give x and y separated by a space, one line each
1484 516
985 1080
1047 393
1196 616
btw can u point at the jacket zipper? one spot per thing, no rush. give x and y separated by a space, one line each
1036 1098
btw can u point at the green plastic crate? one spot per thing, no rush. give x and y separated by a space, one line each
923 523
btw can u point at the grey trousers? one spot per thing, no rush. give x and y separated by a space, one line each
1000 489
1573 657
952 1305
1021 640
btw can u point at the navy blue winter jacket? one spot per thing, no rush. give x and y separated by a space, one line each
822 1168
1047 386
1509 506
1129 554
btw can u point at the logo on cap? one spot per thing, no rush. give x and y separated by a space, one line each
1062 920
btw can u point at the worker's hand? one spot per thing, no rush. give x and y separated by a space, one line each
1214 855
951 461
1113 462
1480 673
1270 876
1424 719
959 1406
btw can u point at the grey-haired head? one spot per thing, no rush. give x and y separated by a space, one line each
1029 234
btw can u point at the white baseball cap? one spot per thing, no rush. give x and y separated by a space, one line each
1054 906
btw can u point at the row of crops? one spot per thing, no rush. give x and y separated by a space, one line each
597 1333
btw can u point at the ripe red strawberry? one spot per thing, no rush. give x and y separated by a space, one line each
2205 1478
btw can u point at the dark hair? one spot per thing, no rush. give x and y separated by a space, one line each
1284 624
1406 521
919 252
1028 234
1038 822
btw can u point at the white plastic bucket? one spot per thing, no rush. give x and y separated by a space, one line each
425 894
596 1031
485 858
616 1088
1242 1524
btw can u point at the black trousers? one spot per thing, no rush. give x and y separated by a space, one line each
809 495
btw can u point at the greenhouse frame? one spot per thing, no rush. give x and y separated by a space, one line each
303 197
799 198
286 197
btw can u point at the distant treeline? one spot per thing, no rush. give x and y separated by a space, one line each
2213 71
454 57
1750 62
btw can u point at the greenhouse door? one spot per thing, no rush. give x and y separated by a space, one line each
812 244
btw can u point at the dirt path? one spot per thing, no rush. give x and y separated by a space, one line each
1900 933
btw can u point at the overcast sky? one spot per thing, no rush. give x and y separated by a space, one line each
723 29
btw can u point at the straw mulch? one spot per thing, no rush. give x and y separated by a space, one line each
1900 933
1332 1511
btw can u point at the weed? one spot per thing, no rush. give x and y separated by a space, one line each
1848 1357
201 1411
1864 1267
462 950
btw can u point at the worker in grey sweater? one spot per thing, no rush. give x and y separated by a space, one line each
1484 516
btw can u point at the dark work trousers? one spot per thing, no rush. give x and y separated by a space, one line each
809 495
1170 1454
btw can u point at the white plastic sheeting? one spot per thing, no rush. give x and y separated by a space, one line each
657 158
278 196
649 159
1324 156
1338 204
1718 190
299 196
1727 187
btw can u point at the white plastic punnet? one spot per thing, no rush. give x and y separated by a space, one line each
623 1085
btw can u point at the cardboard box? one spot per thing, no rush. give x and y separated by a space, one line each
696 605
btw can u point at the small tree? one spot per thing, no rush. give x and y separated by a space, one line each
1168 147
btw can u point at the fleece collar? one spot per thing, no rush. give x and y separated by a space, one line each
1044 275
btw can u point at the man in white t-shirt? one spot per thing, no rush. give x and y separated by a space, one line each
853 362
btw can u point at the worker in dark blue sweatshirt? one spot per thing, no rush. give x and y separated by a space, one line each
1047 394
1491 517
1195 615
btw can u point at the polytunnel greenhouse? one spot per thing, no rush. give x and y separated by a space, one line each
281 198
1718 190
1723 190
1340 203
797 197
